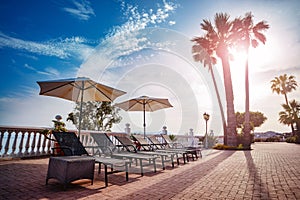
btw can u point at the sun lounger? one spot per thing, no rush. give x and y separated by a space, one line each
194 151
128 144
150 146
162 146
107 147
71 146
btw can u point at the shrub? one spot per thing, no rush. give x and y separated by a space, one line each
225 147
292 139
273 139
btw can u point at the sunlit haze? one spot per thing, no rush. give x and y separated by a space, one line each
143 48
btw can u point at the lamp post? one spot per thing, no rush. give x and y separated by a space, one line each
206 118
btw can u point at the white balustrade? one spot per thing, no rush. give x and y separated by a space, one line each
30 142
23 142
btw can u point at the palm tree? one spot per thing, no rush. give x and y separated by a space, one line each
291 114
201 55
217 41
250 35
283 85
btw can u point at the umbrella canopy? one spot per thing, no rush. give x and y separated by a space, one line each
79 89
144 103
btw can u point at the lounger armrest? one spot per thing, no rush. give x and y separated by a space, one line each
149 146
127 147
93 149
64 148
100 149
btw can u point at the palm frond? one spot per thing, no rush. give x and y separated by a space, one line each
222 23
261 37
206 25
248 21
261 26
254 43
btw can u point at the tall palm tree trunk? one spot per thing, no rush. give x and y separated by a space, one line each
247 138
231 139
219 102
287 103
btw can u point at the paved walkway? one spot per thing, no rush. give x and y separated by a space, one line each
269 171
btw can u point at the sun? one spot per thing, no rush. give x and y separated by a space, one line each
237 65
256 58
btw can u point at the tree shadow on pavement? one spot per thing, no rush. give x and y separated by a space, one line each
173 184
259 189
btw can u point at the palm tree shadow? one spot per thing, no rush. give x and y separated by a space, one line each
259 189
190 176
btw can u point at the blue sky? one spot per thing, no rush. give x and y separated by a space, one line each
143 48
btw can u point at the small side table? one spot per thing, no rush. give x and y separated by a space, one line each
70 168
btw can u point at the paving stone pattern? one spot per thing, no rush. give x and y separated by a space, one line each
269 171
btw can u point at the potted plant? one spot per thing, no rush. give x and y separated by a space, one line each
59 126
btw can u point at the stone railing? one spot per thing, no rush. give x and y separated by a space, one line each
22 142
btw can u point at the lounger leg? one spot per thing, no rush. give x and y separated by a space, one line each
141 165
99 168
105 175
177 158
163 162
172 160
111 167
126 168
154 164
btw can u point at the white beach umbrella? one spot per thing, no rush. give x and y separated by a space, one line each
144 103
79 89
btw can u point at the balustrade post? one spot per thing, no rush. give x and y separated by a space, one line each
44 145
21 145
14 145
1 138
191 138
49 146
33 144
6 148
127 128
26 153
164 131
38 145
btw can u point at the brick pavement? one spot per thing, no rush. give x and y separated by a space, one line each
269 171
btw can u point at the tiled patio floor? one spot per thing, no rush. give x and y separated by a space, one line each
269 171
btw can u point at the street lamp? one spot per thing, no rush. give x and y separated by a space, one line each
206 118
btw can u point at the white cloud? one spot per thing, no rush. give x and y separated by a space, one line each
29 67
82 10
172 23
123 40
62 48
33 47
50 71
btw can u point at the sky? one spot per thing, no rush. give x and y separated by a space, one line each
143 48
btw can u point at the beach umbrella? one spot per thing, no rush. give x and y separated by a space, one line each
145 104
79 89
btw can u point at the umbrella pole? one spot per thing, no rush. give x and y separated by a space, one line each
80 112
144 121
